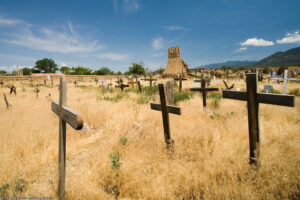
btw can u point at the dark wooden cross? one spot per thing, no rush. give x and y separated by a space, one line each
1 82
253 99
12 89
180 79
203 90
75 83
150 79
132 83
139 84
121 85
165 109
66 115
228 88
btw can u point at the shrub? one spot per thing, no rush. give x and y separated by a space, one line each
3 191
115 161
295 91
182 96
123 140
20 185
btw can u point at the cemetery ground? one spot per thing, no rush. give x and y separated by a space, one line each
121 153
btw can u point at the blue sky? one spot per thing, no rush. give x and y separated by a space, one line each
115 33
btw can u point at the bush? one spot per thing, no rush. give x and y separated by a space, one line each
115 161
123 140
295 91
182 96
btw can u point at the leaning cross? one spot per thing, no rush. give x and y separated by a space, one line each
253 99
180 79
228 88
12 89
6 101
165 109
66 115
203 90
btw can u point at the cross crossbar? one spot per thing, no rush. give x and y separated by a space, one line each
68 115
171 109
201 89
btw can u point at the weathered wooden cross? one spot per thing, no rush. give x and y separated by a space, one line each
132 83
228 88
12 89
165 109
253 99
96 80
150 79
37 90
66 115
75 83
121 85
180 79
203 90
109 86
1 82
45 82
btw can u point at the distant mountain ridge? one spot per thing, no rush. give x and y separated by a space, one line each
290 57
229 63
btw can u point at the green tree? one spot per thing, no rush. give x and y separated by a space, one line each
103 71
65 69
2 72
81 71
136 69
119 73
159 71
46 65
26 71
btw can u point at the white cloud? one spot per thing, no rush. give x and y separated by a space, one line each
257 42
112 56
10 22
157 43
130 5
240 49
290 38
54 41
175 28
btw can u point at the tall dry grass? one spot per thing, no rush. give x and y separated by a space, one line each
209 159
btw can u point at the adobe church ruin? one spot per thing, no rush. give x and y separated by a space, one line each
175 64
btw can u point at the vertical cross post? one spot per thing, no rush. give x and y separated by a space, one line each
6 101
253 119
203 92
62 141
165 109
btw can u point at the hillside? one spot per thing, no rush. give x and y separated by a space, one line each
229 63
290 57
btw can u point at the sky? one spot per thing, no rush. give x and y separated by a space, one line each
116 33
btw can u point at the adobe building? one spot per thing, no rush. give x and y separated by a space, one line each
175 64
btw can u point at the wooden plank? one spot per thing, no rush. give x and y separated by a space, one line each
196 89
203 92
237 95
171 109
253 118
276 99
62 141
70 116
212 89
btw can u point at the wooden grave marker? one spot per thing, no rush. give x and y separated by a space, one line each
139 84
131 83
12 89
165 109
66 115
75 83
203 90
37 90
109 86
121 85
1 82
96 80
169 90
150 79
45 82
253 99
180 79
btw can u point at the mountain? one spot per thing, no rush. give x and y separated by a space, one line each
289 57
229 63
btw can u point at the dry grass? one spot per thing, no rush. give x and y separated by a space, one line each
209 159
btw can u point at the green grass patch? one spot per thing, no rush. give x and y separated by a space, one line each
295 91
182 96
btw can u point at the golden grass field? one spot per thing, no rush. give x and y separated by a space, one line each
209 159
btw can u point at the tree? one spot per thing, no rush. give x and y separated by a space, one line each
65 69
46 65
159 71
103 71
81 70
136 69
26 71
2 72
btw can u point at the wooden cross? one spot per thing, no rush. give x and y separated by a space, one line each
180 79
139 84
12 89
109 86
150 79
203 90
66 115
165 109
253 99
45 82
121 85
228 88
75 83
132 83
1 82
96 80
6 101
